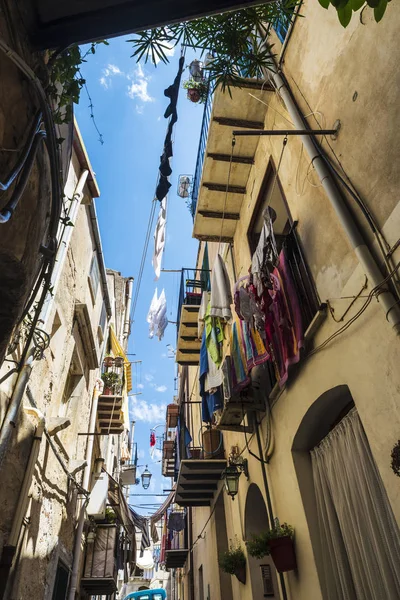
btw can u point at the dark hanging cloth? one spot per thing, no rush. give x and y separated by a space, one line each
173 90
162 188
176 521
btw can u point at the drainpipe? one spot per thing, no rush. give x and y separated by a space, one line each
268 496
10 421
65 241
338 202
10 548
127 323
73 584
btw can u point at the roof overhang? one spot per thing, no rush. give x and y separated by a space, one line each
217 200
175 559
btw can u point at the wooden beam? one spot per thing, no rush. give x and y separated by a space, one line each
213 238
239 123
219 215
222 187
241 160
253 84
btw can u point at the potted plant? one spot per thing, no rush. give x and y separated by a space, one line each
233 561
111 380
110 516
197 91
108 361
119 361
278 542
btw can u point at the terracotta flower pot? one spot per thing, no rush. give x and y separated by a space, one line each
108 361
283 554
119 362
194 95
240 574
107 391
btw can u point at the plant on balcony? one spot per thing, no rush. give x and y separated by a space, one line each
111 382
110 517
119 361
233 561
108 361
277 542
196 90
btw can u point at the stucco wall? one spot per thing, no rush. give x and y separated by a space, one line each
329 64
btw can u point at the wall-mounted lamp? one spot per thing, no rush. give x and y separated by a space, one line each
237 465
146 477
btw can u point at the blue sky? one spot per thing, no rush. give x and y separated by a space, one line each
129 104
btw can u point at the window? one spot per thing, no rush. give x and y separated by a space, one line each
201 583
61 582
266 575
102 324
282 24
94 277
271 195
73 385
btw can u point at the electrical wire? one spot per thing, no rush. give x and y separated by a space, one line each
199 537
372 293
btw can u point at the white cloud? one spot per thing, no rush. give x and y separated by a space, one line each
168 51
143 411
138 87
148 377
161 388
109 71
139 109
157 454
140 386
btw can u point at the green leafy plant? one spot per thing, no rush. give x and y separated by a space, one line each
233 38
201 87
111 379
66 80
346 8
233 559
110 517
258 545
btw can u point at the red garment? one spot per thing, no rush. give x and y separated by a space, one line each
152 439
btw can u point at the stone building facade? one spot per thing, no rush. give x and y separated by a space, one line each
320 70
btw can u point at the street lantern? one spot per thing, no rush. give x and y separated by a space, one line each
237 465
231 476
146 477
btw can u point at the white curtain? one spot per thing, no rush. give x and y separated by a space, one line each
360 539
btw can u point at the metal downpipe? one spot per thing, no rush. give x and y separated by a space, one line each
73 584
338 202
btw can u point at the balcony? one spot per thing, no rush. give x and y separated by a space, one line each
100 572
176 554
211 176
110 414
193 283
198 481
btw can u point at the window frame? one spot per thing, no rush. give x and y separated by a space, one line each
94 277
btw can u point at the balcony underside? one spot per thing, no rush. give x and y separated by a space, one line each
175 559
168 467
109 415
198 481
188 345
240 111
99 586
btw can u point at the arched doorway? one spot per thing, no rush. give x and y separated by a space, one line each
263 578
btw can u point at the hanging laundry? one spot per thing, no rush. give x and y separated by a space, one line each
159 238
173 90
211 400
221 296
176 521
205 300
162 188
152 439
157 316
265 257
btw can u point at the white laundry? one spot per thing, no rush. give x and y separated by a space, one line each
221 295
159 238
157 315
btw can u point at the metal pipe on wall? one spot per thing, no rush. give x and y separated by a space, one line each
338 202
127 322
73 584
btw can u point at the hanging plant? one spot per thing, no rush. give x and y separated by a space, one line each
197 91
395 464
233 561
277 542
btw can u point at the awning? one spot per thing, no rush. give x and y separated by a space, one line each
118 350
160 512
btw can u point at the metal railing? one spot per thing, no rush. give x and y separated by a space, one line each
205 125
193 283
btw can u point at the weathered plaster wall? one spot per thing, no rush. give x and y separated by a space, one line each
329 65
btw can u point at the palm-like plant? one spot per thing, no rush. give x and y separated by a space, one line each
233 38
